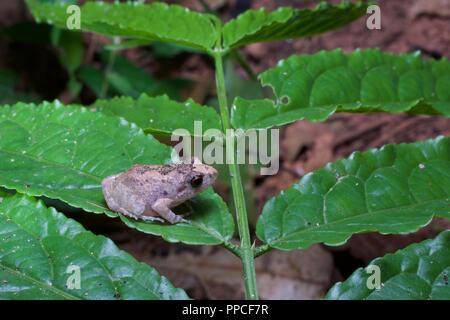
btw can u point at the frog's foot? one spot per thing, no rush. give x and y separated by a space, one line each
127 213
151 218
186 221
140 217
161 206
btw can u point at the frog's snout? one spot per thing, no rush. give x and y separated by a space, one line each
213 172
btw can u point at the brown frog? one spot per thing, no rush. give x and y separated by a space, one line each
148 192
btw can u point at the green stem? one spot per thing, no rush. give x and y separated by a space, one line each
247 257
109 66
234 249
258 251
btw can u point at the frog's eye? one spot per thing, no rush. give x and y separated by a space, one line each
197 181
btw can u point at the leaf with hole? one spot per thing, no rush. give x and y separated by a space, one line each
393 190
42 254
315 86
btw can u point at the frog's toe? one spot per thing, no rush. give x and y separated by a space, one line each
152 218
186 221
127 213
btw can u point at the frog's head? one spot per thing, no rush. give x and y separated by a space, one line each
192 178
202 176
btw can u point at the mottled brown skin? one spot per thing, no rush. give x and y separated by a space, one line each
147 192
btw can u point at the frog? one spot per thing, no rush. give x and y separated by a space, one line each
149 192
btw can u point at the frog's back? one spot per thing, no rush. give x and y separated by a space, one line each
140 179
153 182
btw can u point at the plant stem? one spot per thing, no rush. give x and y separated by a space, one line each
258 251
234 249
109 66
108 69
247 257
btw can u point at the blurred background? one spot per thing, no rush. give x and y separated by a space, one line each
40 62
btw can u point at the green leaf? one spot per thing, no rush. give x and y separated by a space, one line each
93 78
125 78
166 50
313 87
238 86
64 152
393 190
157 114
418 272
130 80
156 21
288 23
71 52
71 48
40 248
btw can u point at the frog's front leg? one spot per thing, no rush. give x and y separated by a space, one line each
161 206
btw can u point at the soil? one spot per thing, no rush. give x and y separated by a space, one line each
212 273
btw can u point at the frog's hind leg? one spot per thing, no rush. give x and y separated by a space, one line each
135 211
127 213
161 206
